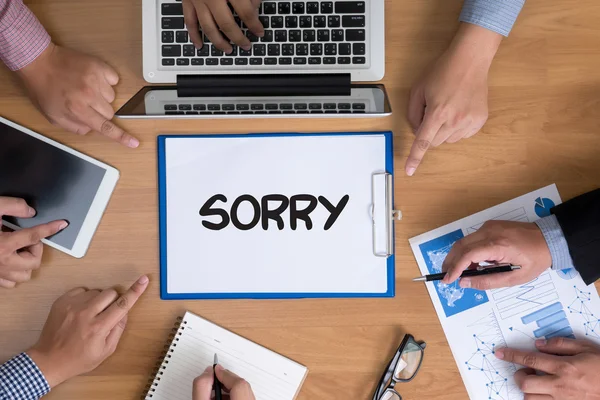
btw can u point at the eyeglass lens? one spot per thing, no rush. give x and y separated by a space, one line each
390 395
409 362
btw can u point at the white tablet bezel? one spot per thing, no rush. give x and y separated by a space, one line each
99 204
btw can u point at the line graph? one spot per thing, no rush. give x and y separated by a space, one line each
518 214
515 300
486 336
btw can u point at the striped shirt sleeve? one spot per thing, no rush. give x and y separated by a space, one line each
22 36
496 15
556 241
21 379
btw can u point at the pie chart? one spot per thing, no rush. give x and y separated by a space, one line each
567 274
543 206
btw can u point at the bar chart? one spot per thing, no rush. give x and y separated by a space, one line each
551 321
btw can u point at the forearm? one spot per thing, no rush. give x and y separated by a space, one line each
474 46
496 15
22 37
579 220
21 379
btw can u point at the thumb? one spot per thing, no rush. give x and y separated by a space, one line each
561 346
203 385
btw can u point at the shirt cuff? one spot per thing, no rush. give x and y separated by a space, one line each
22 36
496 15
21 379
555 238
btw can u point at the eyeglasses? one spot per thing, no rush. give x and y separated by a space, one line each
402 368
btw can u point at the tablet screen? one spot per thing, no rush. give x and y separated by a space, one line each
58 184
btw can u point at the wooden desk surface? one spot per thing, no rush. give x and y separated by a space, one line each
543 128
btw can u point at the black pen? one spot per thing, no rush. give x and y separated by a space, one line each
471 272
216 384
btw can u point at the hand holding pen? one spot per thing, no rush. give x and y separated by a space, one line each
515 243
233 387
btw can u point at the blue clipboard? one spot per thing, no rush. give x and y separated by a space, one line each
162 202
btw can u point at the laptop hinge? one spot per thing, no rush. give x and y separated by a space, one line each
263 85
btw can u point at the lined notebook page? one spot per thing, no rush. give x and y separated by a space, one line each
272 376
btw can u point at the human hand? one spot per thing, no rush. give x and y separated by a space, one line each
237 388
517 243
214 18
82 330
450 101
21 251
571 368
74 91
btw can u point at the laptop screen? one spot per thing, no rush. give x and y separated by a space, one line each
164 102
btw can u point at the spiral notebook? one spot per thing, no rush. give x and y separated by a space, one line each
192 347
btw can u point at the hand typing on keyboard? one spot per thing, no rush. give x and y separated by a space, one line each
75 92
216 20
449 102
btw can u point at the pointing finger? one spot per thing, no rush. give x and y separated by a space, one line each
118 309
425 134
15 207
30 236
537 361
107 128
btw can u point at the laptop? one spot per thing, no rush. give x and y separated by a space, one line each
311 61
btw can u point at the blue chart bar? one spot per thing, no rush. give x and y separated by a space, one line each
550 319
543 313
565 332
555 327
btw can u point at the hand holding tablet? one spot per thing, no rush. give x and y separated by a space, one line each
21 251
60 183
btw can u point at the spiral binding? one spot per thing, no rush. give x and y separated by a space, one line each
162 362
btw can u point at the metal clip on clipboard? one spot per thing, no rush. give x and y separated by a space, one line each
383 181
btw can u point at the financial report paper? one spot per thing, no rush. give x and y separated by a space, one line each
476 323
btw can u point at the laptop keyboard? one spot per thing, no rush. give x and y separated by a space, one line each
327 34
265 108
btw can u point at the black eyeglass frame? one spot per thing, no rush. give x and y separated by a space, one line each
388 373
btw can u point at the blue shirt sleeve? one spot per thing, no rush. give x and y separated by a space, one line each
21 379
555 238
496 15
